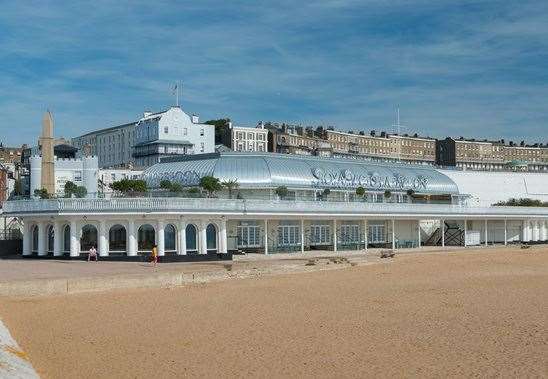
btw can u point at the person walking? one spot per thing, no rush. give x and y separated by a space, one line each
154 256
93 254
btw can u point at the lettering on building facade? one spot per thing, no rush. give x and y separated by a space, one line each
347 179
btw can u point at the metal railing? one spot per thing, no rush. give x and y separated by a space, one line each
246 206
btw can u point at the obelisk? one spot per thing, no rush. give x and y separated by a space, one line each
48 159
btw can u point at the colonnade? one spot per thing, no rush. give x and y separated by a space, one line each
72 236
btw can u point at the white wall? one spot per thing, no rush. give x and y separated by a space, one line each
488 188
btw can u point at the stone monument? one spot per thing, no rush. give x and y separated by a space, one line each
48 160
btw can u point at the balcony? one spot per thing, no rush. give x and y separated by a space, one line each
263 208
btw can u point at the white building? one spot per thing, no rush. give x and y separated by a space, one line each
168 133
259 219
143 142
108 176
113 146
81 171
248 139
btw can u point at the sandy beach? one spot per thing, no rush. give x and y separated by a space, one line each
454 314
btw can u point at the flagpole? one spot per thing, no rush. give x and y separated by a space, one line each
177 95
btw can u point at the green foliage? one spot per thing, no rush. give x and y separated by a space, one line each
42 193
129 186
230 185
210 184
72 189
387 194
221 127
326 191
410 192
360 191
176 187
281 191
80 192
194 190
524 202
165 184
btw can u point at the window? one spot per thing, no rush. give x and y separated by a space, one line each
166 129
349 234
249 236
376 234
288 235
320 234
202 148
77 176
201 132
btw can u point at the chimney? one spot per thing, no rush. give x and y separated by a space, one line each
195 119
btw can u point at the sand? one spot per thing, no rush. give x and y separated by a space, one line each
454 314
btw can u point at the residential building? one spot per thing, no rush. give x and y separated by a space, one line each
108 176
168 133
491 155
241 138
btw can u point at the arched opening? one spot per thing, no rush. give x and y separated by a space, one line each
117 239
146 238
191 240
35 239
170 238
51 237
66 238
89 237
211 238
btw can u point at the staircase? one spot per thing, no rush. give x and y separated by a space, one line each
454 235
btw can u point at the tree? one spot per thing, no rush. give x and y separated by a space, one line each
221 127
70 188
165 184
176 187
129 186
387 194
281 191
42 193
410 192
360 191
231 185
80 192
210 184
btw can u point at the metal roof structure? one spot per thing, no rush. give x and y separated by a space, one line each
270 170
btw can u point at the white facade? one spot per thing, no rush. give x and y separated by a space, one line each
249 139
487 188
81 171
173 132
112 146
108 176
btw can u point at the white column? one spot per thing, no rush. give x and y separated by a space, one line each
505 232
365 234
74 239
335 239
465 232
132 239
57 238
419 232
543 231
160 238
42 240
442 231
524 231
486 235
27 237
182 238
203 238
393 234
222 240
266 236
302 236
536 231
102 242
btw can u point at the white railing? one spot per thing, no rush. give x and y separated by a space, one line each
238 206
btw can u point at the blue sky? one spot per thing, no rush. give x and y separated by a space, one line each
472 68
